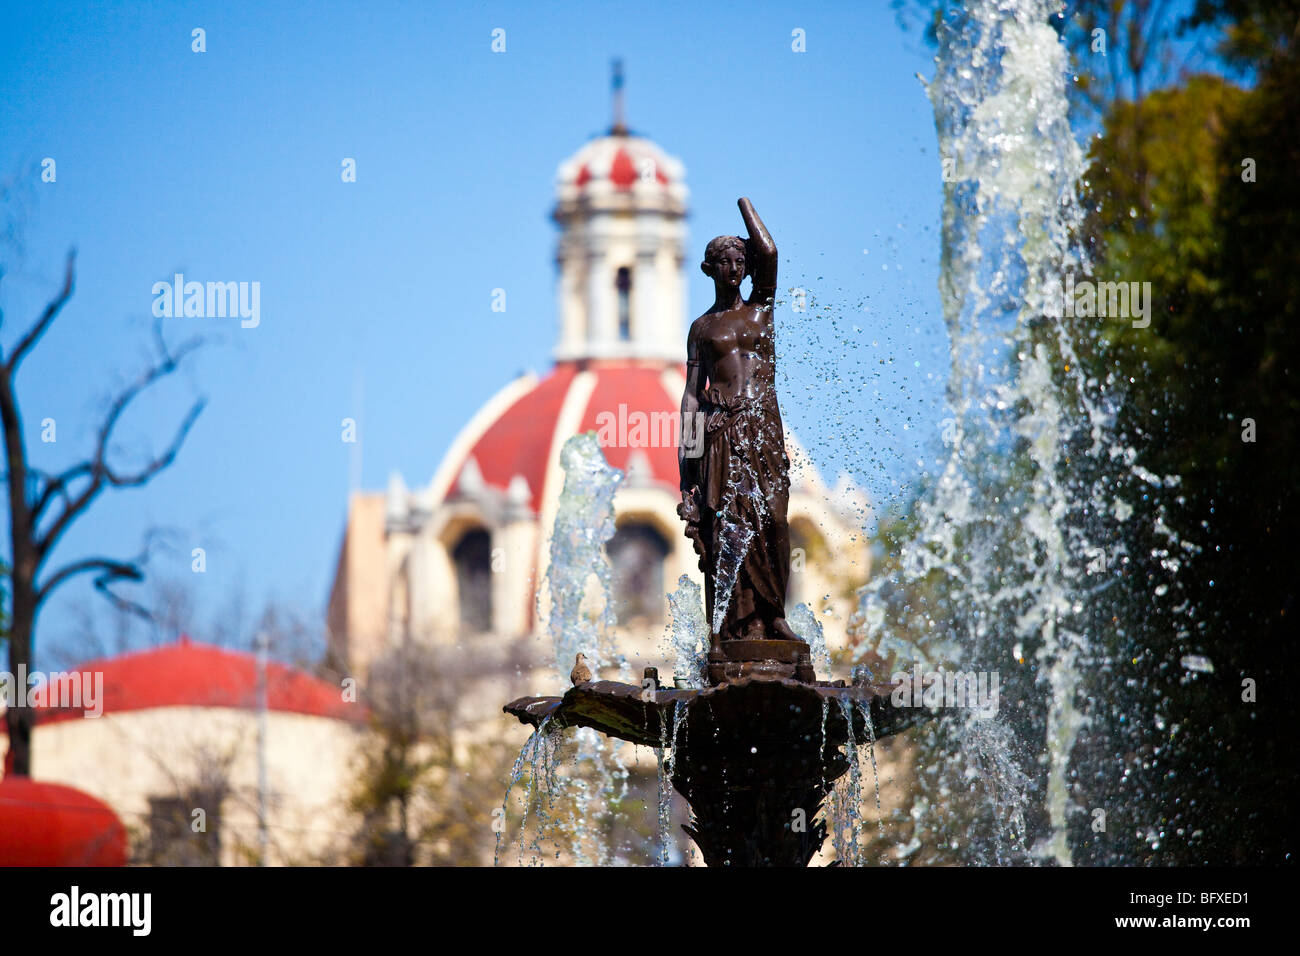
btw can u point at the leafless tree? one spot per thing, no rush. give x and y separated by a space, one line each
42 506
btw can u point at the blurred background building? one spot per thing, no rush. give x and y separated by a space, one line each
206 755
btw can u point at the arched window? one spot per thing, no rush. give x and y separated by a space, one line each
624 285
637 552
473 559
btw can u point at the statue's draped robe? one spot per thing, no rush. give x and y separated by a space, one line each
744 488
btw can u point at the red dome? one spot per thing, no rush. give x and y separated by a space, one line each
190 674
48 824
522 440
640 389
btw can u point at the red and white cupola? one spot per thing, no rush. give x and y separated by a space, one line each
621 208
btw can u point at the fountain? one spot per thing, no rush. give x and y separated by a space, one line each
763 746
760 757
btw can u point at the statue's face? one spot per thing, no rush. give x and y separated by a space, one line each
729 266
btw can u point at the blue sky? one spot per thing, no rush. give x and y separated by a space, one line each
376 295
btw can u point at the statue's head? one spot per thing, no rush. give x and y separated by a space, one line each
724 260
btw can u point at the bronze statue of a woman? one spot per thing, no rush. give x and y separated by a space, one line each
735 495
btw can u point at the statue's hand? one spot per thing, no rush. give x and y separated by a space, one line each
689 509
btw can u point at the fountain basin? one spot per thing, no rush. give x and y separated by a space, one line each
755 757
638 715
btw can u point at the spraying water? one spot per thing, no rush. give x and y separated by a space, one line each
581 619
537 758
665 761
686 642
1023 528
806 626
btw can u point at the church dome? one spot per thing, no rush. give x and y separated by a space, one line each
511 451
188 673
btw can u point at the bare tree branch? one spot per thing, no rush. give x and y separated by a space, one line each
51 312
124 604
30 547
111 570
58 485
163 461
98 469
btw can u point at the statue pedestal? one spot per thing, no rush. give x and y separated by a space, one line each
771 659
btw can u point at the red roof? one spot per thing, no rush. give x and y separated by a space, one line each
191 674
520 440
48 824
640 389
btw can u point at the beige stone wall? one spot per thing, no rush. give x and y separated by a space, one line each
125 759
362 585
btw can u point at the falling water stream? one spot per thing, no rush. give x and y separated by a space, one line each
580 619
686 642
1023 530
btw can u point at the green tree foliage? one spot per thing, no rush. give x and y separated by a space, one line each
1174 204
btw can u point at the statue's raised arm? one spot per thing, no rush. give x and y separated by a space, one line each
760 253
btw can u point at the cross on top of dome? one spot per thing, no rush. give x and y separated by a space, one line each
619 126
621 166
